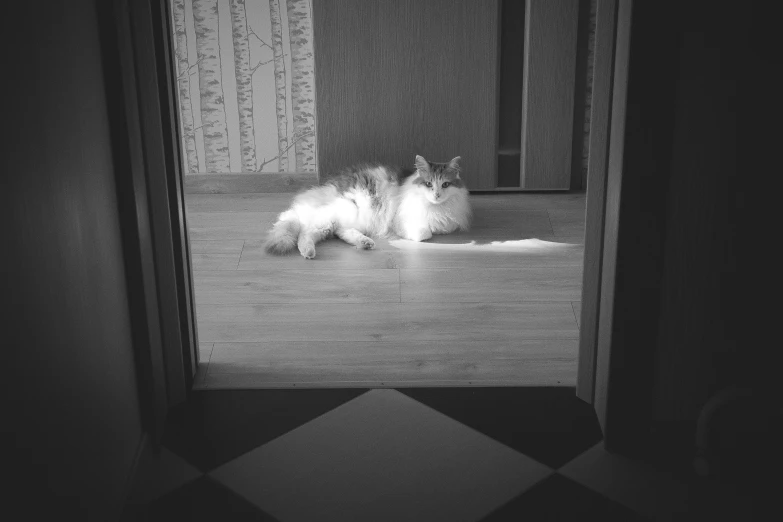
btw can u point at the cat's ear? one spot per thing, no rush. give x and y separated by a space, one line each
422 165
454 165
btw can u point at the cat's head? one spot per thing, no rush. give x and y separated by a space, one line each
438 181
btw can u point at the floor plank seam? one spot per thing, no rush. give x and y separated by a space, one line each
332 269
241 251
562 337
380 341
549 218
248 271
389 383
522 301
369 341
320 300
209 360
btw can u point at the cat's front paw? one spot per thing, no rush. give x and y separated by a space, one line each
420 235
308 252
365 243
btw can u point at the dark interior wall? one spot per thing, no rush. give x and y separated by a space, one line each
636 207
716 327
695 274
700 253
73 411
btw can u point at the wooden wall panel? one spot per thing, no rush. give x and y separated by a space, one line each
400 78
548 93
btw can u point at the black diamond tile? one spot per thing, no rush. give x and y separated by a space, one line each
216 426
559 499
202 500
549 424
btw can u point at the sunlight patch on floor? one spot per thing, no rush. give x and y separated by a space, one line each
521 245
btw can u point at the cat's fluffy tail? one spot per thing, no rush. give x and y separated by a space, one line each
283 236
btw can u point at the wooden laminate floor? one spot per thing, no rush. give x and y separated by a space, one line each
498 305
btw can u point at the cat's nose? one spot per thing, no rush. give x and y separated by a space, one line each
437 195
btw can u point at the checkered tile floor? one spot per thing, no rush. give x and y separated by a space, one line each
480 454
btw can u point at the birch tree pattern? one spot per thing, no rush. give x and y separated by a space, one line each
183 87
213 112
245 85
302 82
276 26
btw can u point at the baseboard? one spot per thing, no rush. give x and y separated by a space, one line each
251 182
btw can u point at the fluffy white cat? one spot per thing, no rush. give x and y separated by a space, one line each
368 201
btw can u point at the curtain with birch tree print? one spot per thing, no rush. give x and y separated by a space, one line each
245 85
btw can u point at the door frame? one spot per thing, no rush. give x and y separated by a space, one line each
170 359
629 266
610 75
611 360
157 250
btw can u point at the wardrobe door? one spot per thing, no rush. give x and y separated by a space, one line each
397 78
548 94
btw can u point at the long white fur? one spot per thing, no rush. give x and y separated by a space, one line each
418 218
408 211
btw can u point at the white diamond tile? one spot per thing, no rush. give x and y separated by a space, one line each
382 457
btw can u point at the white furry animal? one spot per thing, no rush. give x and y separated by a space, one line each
375 201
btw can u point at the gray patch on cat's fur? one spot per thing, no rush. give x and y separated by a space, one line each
360 176
364 177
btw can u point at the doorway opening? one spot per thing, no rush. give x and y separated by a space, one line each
496 306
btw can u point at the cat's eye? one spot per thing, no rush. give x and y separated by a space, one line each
446 184
428 184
